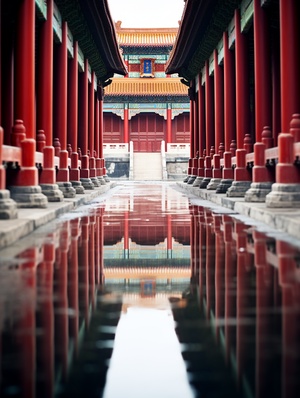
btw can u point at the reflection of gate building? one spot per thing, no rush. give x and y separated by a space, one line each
147 106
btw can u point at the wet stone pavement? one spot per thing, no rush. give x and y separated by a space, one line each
146 292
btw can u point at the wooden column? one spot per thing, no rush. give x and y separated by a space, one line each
45 108
72 120
60 121
91 132
169 124
242 82
126 124
262 67
83 129
289 61
25 67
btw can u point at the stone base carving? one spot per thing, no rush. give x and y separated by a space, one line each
96 182
191 180
238 189
204 182
213 184
53 192
258 191
87 183
28 196
8 207
284 195
67 189
186 178
224 185
101 180
77 185
197 181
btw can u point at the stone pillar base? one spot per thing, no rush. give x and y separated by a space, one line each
77 185
87 183
53 192
101 180
191 180
197 181
224 185
213 184
284 195
67 189
95 181
186 178
258 191
238 189
8 207
204 182
106 178
28 196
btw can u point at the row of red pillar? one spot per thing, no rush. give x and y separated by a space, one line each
221 114
54 105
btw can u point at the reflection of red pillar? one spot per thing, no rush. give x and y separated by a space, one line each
230 273
219 272
290 320
242 82
264 286
210 263
26 330
126 234
202 252
62 319
243 287
83 258
73 283
46 351
262 67
169 236
92 260
289 61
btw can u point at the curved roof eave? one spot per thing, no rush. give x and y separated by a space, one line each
91 25
202 26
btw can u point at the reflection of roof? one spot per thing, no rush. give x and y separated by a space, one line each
146 37
146 86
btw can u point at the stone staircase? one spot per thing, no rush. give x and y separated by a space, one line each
147 166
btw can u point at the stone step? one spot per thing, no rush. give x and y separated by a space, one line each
147 166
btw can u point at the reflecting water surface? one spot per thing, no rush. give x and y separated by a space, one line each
143 294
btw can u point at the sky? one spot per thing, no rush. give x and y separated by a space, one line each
147 13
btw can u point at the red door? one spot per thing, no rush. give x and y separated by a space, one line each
147 130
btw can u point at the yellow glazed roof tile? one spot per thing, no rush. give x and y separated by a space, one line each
146 86
145 36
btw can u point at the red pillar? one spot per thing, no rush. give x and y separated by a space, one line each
45 107
60 121
289 61
229 94
83 129
262 67
209 110
101 130
126 124
242 82
72 119
25 71
91 124
219 102
169 124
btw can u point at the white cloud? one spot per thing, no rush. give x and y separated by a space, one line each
147 13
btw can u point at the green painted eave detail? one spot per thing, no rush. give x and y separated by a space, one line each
72 13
